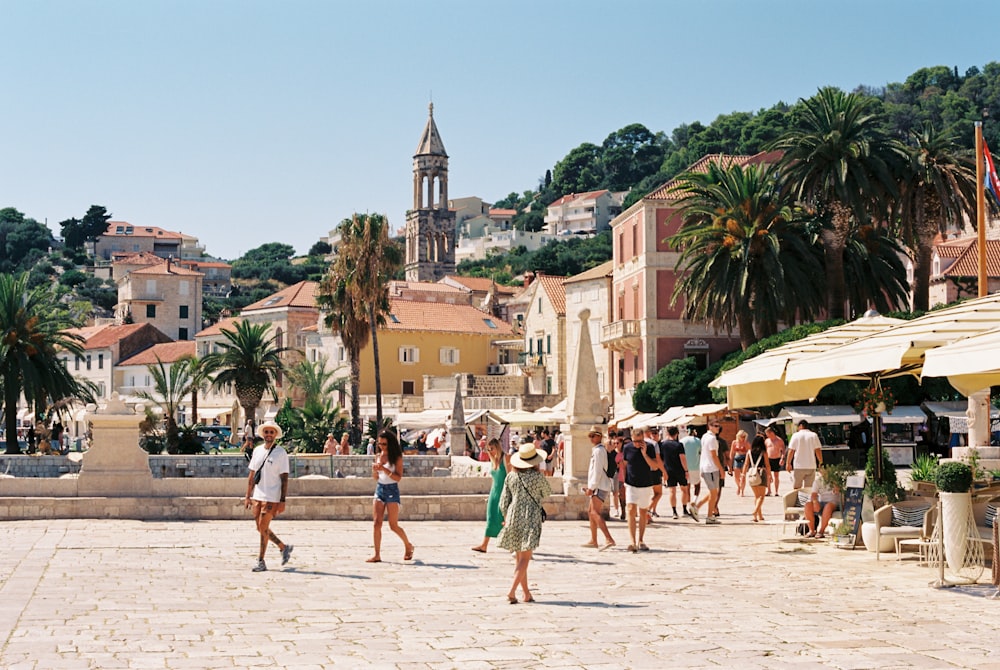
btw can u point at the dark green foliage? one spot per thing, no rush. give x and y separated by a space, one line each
188 442
73 278
320 249
264 262
557 258
679 382
953 477
23 241
888 488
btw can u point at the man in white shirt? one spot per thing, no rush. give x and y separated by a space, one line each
711 473
598 488
266 493
805 454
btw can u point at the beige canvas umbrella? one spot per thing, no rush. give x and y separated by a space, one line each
761 381
970 364
895 350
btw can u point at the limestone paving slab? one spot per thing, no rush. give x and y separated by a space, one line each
130 594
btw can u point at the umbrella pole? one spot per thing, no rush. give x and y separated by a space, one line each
877 441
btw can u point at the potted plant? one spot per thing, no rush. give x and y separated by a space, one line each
922 473
954 482
842 536
886 491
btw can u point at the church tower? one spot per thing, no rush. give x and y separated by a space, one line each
430 225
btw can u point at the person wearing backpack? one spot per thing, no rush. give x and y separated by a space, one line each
598 488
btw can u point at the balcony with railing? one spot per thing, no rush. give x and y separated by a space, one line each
622 335
531 363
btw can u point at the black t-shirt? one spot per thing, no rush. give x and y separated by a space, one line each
671 452
637 471
549 445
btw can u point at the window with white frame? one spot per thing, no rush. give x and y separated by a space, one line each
449 356
409 355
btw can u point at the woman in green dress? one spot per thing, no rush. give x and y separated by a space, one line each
501 465
524 489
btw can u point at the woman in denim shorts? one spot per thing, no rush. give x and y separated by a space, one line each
387 471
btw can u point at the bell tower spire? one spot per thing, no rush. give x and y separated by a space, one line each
430 225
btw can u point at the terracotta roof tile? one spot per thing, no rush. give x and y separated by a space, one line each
502 212
725 161
194 264
967 263
102 337
407 315
482 284
167 269
140 231
602 270
570 197
553 287
140 258
397 287
216 328
302 294
168 352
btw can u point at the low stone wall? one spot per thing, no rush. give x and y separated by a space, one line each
221 465
305 508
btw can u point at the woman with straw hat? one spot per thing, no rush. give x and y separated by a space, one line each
524 489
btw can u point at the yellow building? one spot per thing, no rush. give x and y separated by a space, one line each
430 338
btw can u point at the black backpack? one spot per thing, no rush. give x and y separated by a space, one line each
612 465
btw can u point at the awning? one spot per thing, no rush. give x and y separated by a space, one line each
970 364
425 420
896 350
520 417
820 414
507 344
954 409
905 414
639 420
213 412
761 380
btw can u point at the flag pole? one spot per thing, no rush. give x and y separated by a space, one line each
981 210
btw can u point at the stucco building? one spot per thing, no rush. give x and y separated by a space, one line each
165 295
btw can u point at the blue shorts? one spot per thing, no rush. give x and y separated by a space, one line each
387 493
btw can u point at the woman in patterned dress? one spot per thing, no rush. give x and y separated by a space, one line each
494 520
524 489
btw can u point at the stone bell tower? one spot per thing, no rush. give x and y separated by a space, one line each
430 225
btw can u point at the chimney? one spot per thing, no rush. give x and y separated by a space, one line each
169 258
529 276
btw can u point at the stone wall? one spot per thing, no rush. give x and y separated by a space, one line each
219 465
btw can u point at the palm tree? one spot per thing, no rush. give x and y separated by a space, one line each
33 336
937 190
250 360
355 296
748 257
170 385
349 319
873 260
200 374
838 161
366 247
314 379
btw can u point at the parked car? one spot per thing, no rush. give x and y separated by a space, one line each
214 438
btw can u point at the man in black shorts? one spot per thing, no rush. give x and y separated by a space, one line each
675 463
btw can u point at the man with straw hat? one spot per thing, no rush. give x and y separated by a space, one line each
598 488
267 486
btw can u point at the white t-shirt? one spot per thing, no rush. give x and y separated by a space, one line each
709 446
597 472
805 443
824 491
269 488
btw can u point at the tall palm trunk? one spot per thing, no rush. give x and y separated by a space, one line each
747 335
10 418
378 369
356 431
922 275
834 244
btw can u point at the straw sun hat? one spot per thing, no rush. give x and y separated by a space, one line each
269 424
527 456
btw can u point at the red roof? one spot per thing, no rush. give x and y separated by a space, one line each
102 337
406 315
553 287
168 352
605 269
483 284
300 295
967 263
167 269
589 195
195 264
140 258
725 161
140 231
502 212
217 328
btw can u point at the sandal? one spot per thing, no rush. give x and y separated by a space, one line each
632 548
512 600
479 549
409 553
820 536
374 559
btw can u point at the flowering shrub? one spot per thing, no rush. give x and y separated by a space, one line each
873 396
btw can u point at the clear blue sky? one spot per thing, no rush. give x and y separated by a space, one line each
244 122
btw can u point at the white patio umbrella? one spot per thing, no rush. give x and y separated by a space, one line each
895 351
761 380
970 364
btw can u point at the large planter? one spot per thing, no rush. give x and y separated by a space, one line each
955 511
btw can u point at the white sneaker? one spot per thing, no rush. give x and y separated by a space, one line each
693 511
260 567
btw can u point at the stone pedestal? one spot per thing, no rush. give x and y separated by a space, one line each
576 457
115 466
979 419
583 410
